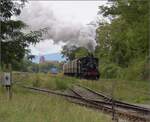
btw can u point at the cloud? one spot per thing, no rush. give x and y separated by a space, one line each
46 47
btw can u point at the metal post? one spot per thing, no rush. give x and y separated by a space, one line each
114 118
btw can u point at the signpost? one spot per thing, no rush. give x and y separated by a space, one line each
7 80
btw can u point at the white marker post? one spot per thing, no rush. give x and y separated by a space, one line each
7 80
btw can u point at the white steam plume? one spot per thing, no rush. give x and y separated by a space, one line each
38 16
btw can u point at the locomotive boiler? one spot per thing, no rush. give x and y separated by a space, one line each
85 67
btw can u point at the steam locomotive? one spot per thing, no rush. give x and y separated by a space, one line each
85 67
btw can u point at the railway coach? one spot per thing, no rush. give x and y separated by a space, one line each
85 67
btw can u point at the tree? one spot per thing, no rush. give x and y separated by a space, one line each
124 39
68 52
72 52
81 52
14 41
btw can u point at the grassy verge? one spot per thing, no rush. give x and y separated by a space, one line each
131 91
55 82
27 106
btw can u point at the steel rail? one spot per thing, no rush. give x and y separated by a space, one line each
120 114
117 102
101 106
91 103
108 103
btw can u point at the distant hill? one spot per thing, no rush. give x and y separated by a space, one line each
50 57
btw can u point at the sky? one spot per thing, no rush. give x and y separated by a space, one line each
67 22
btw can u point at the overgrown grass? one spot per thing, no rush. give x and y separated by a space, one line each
27 106
55 82
127 90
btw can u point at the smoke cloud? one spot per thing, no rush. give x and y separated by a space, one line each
38 16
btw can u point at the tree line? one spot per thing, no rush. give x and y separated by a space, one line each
124 41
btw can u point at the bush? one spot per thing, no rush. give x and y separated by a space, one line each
110 71
137 70
36 83
61 84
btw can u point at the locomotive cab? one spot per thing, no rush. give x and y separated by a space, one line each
89 67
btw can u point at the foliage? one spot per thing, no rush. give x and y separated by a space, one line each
124 39
36 83
137 70
61 84
110 71
46 66
72 52
81 52
26 65
14 41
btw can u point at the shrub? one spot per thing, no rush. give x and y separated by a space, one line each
36 82
137 70
61 84
110 71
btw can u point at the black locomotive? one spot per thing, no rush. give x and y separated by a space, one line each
85 67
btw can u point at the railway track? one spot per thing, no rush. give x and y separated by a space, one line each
124 110
134 114
117 102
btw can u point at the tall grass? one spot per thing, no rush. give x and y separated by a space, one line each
126 90
27 106
135 91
